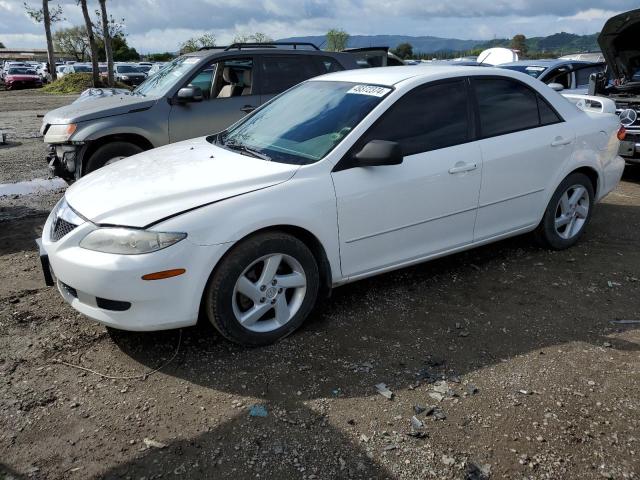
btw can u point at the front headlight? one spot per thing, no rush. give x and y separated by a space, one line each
124 77
129 241
60 133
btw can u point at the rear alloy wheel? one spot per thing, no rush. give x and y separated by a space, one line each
567 214
263 289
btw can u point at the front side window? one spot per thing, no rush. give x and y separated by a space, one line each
427 118
304 124
584 73
278 73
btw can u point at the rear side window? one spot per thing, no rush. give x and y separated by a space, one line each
427 118
328 65
507 106
280 73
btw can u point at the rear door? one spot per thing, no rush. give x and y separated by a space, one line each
281 72
524 142
227 86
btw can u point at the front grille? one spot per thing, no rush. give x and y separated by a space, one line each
60 228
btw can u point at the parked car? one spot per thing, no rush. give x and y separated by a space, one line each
340 178
621 82
75 68
567 75
129 74
195 94
21 77
156 68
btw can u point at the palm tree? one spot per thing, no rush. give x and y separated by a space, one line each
107 42
92 43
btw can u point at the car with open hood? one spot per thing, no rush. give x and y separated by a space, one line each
193 95
339 178
620 44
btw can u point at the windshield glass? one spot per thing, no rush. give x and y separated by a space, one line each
81 68
532 70
127 69
305 123
168 75
21 71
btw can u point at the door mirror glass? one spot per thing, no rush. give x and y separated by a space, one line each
558 87
379 152
190 94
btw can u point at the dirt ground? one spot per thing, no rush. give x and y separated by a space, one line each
509 357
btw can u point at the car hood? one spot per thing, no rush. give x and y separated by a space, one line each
619 43
107 106
146 188
19 78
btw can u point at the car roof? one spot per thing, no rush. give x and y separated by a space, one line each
544 62
389 76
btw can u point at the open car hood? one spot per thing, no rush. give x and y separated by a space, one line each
619 43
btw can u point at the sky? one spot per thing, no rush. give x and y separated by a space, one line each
161 25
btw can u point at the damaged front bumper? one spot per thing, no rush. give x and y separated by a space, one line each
65 160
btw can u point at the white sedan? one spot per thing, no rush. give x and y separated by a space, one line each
340 178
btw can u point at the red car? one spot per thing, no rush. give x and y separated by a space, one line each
20 77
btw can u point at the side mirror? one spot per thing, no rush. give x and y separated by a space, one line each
558 87
378 153
190 94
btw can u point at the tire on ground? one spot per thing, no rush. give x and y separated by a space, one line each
218 295
545 234
109 151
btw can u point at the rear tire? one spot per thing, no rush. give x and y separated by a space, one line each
263 289
109 153
567 214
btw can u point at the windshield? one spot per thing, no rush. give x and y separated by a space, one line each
127 69
166 77
81 68
21 71
303 124
532 70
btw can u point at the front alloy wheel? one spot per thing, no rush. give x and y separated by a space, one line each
263 289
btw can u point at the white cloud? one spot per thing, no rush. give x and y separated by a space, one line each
591 14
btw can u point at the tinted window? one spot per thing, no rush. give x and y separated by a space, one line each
427 118
505 106
280 73
583 74
547 114
328 65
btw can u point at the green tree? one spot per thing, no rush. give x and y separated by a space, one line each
337 40
73 42
47 17
122 52
519 42
2 45
404 50
160 57
196 43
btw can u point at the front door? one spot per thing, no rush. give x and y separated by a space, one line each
389 215
228 91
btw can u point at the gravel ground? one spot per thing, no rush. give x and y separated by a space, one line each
21 111
507 356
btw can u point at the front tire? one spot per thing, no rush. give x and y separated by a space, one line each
263 289
110 153
567 214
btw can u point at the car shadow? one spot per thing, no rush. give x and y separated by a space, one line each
19 227
445 318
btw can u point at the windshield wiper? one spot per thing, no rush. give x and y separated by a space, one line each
246 150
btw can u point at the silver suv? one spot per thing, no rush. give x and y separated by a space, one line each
196 94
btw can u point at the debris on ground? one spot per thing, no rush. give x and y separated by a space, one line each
258 411
384 391
153 443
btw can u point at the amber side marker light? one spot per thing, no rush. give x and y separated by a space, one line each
164 274
622 133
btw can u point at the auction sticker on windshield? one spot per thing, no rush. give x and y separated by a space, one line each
373 90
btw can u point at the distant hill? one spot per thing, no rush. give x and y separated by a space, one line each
557 43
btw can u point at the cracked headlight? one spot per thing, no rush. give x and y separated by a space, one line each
129 241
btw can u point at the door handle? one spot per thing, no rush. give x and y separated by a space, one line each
559 141
462 167
248 108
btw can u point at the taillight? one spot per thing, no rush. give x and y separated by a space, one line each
622 133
